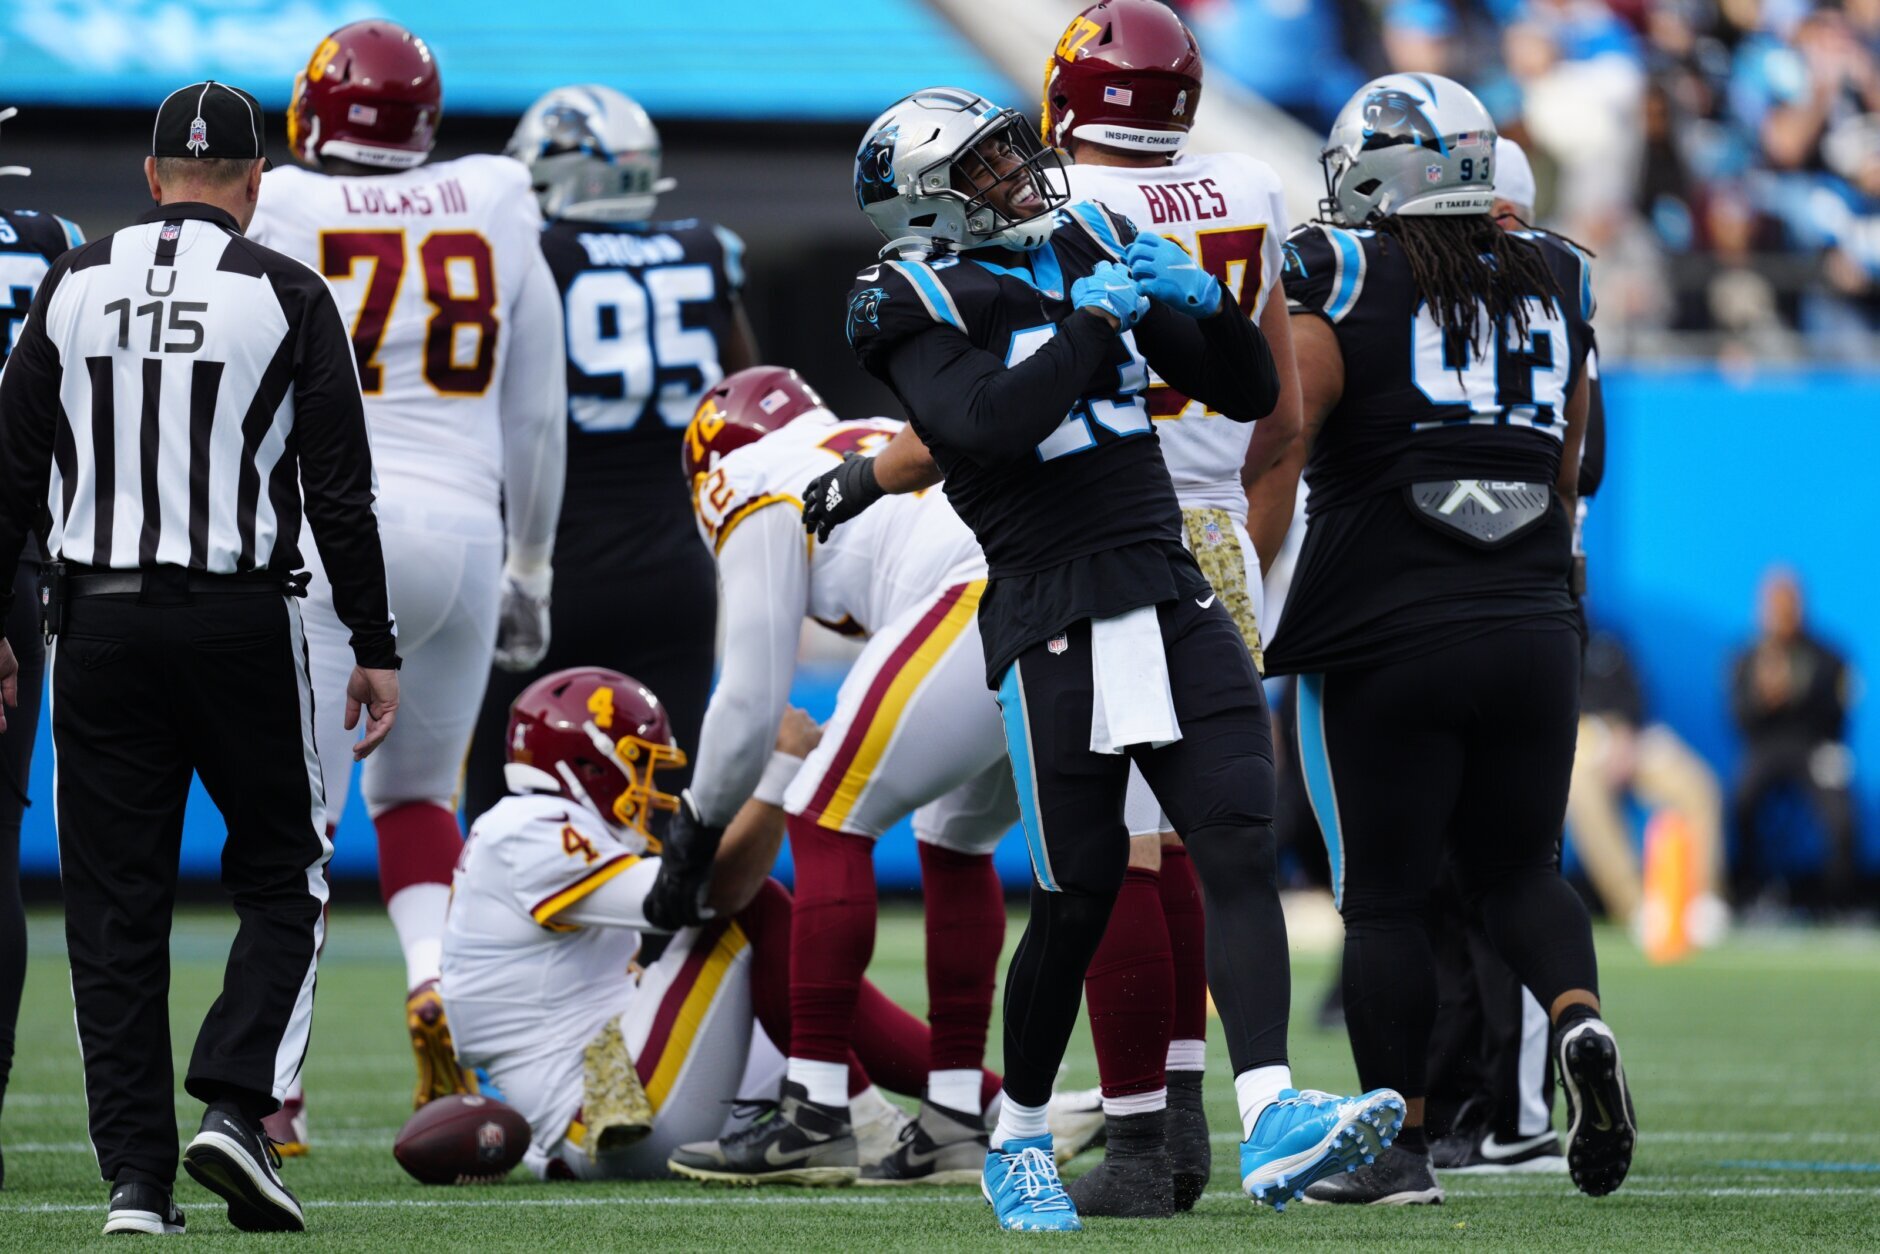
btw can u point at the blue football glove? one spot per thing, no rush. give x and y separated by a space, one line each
1164 270
1109 288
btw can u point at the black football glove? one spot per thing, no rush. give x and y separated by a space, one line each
843 493
677 898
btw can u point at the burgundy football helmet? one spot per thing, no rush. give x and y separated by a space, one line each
744 408
599 736
371 95
1126 74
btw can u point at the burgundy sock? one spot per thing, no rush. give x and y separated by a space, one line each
1187 938
965 910
1130 986
891 1043
419 843
766 923
832 937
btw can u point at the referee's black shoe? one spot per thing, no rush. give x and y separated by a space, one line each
1398 1177
141 1207
1602 1129
233 1158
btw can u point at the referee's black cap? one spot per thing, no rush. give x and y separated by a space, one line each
209 119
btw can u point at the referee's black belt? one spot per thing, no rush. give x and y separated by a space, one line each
93 581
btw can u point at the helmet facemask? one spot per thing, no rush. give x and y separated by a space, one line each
629 815
1010 182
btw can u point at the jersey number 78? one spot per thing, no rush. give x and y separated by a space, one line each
460 285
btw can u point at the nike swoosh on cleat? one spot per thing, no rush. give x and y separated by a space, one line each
1497 1151
776 1157
1210 601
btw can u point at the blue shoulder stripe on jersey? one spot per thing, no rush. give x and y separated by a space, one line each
73 236
1098 224
1044 275
1587 303
932 294
1348 281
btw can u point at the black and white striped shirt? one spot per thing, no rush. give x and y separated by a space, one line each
174 390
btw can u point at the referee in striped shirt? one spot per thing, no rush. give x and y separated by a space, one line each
174 396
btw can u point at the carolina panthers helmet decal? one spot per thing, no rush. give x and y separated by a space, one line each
865 310
874 167
1392 111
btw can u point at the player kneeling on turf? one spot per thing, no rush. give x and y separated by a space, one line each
615 1067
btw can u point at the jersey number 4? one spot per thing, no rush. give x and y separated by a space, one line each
1521 383
459 284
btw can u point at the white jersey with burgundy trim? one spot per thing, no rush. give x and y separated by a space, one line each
1229 212
873 567
523 989
429 266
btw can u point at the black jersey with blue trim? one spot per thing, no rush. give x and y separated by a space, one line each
30 241
1077 520
649 307
1374 582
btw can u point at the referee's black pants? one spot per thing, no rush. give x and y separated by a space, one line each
16 765
145 690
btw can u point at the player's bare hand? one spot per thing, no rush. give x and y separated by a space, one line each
798 734
376 691
10 683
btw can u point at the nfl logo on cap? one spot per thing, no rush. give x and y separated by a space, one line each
198 137
1118 95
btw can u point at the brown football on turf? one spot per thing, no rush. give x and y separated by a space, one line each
462 1140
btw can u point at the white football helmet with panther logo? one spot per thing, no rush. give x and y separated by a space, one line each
592 153
1409 144
919 158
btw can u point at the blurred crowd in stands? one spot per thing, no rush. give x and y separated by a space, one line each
1721 156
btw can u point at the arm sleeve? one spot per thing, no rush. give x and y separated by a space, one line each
29 418
337 478
535 418
1593 450
1221 360
619 901
766 591
970 402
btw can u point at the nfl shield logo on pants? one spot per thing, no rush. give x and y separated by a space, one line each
1057 644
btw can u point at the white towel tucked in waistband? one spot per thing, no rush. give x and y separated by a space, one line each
1131 703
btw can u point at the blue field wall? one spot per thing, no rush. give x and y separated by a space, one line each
695 59
1710 481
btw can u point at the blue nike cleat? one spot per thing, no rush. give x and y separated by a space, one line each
1021 1181
1304 1137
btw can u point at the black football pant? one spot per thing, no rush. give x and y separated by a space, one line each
1216 784
1462 753
16 764
644 604
1489 1066
145 691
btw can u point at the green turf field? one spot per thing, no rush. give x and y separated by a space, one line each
1756 1069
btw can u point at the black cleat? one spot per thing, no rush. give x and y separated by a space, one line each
1135 1180
143 1208
1602 1128
232 1158
1189 1149
1483 1153
941 1146
792 1141
1398 1178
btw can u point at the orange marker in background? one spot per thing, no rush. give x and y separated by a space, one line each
1670 887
